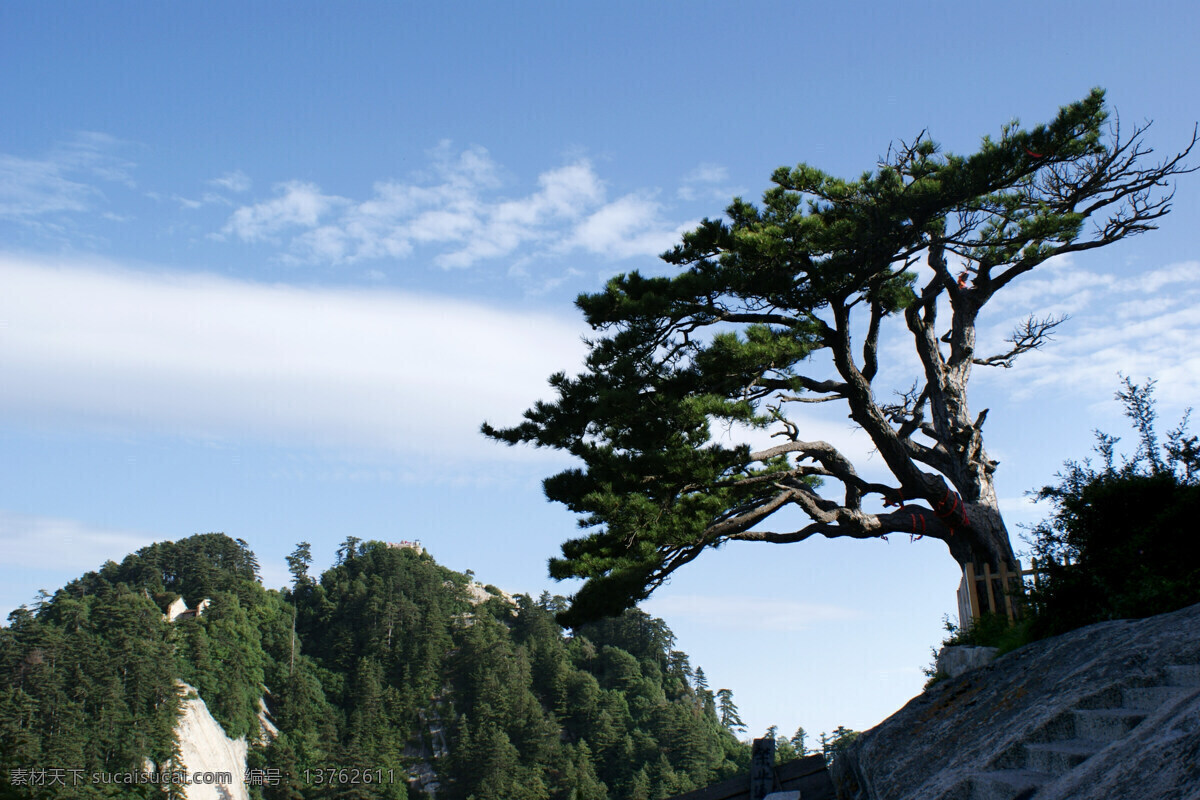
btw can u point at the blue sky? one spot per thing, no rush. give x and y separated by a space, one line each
266 268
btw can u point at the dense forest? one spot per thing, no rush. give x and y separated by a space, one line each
388 662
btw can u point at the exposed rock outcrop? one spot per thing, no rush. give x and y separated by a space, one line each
204 747
1106 712
954 661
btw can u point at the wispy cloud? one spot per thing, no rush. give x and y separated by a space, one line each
706 181
296 205
629 226
63 180
33 542
456 212
1141 323
199 355
1145 324
29 188
43 553
236 181
741 612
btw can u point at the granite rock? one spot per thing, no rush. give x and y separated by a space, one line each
954 661
1106 712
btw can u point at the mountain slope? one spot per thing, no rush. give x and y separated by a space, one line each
386 666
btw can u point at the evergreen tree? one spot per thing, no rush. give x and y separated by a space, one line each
816 271
729 712
298 563
784 751
586 785
385 647
348 549
797 741
639 787
837 742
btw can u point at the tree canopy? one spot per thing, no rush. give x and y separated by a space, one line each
733 337
1119 544
384 663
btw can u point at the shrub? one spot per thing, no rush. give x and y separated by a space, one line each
1126 528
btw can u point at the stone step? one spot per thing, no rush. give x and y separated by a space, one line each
1106 724
1149 698
1059 757
1183 675
1006 784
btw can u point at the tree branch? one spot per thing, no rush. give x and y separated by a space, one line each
916 521
871 345
1030 335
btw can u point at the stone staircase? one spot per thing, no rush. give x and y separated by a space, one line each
1074 736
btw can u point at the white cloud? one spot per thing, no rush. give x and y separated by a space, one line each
1140 325
740 612
236 181
29 188
37 543
1186 272
705 181
61 181
298 204
94 154
1023 509
629 226
454 210
566 191
707 173
198 355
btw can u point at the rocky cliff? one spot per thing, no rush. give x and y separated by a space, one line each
1107 712
204 748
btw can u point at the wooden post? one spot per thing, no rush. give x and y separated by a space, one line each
762 768
964 605
987 579
974 591
1007 589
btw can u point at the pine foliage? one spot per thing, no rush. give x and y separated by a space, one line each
381 664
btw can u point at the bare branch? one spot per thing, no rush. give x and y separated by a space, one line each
795 399
1029 335
1112 179
916 521
820 451
909 412
829 457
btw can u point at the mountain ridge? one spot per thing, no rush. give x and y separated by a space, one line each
356 665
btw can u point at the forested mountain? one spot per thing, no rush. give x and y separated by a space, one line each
388 664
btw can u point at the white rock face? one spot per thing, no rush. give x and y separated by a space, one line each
204 747
954 661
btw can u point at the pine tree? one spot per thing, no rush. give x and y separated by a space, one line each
587 785
818 271
639 788
298 563
784 751
729 712
348 549
798 741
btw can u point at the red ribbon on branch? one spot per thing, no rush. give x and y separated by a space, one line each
952 511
